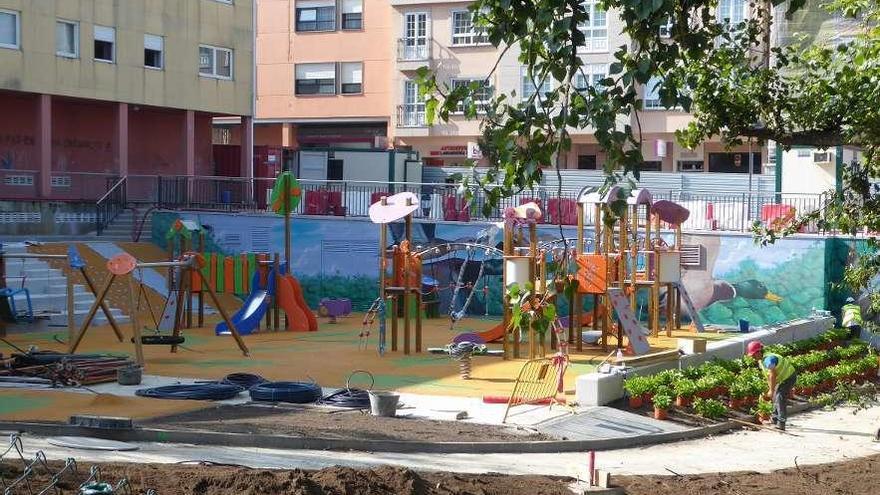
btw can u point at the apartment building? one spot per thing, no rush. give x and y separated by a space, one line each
442 36
103 88
323 73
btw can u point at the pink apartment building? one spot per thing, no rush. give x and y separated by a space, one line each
340 74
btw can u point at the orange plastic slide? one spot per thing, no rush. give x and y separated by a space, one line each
301 301
287 292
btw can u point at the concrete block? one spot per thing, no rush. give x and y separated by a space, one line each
689 345
598 389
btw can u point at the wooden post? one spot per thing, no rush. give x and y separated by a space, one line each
104 308
71 306
276 309
231 326
508 250
99 298
201 319
533 277
407 305
135 323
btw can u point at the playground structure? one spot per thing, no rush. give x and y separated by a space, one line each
124 265
75 264
406 273
628 255
526 268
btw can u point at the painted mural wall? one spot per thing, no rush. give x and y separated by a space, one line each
338 258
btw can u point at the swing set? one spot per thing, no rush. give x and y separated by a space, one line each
123 266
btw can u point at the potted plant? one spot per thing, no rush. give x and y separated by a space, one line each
684 390
636 387
662 402
762 410
710 408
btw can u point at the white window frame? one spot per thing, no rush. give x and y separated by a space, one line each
342 14
340 75
214 51
412 111
112 59
728 12
651 87
474 37
480 104
594 44
17 44
525 80
588 73
304 5
336 79
75 53
161 52
227 2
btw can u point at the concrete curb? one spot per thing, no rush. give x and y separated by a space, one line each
362 445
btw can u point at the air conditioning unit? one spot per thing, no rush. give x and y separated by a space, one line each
823 157
691 255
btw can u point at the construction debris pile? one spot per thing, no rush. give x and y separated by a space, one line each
33 475
51 369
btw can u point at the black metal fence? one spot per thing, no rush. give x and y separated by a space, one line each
446 202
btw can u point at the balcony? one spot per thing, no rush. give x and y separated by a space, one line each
413 53
411 120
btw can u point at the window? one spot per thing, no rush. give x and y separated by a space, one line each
480 97
651 98
732 11
105 41
67 39
464 32
666 29
804 152
590 75
412 112
215 62
690 165
352 78
586 162
596 29
153 49
315 79
651 166
352 14
528 85
9 29
316 15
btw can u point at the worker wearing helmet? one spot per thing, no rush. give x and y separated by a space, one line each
852 317
781 377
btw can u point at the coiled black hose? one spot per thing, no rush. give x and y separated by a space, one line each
354 398
243 380
199 391
294 392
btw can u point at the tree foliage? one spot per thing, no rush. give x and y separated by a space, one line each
728 75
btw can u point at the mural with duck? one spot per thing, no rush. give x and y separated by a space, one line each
735 279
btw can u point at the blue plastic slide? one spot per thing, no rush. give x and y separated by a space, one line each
247 319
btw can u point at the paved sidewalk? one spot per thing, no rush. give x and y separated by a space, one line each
821 437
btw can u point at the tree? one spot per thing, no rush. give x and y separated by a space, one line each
724 72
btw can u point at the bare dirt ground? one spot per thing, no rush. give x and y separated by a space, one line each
855 477
231 480
338 423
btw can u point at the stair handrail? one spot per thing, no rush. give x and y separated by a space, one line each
110 204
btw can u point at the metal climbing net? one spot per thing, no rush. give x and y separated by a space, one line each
36 468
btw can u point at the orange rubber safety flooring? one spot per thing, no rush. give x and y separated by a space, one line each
327 356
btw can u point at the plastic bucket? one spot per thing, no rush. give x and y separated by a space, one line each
744 326
129 375
383 404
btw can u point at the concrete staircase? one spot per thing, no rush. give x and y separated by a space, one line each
122 227
48 290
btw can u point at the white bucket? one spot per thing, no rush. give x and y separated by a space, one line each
383 404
